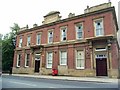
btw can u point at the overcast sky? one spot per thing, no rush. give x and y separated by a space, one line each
25 12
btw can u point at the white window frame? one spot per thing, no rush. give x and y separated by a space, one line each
27 60
76 28
18 61
38 38
48 60
28 40
102 28
49 37
62 58
37 56
61 36
100 49
20 42
81 59
101 56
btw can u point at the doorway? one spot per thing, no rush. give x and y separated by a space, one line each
37 66
37 63
101 66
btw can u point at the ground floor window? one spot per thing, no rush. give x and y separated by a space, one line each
27 59
18 60
49 59
63 58
80 61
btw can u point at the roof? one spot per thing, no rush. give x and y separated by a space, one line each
110 9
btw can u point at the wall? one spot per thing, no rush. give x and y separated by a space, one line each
71 46
88 28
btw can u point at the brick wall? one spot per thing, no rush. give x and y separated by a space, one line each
88 28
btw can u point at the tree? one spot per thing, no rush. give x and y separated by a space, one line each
15 29
8 48
0 53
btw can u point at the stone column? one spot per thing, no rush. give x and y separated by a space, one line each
32 55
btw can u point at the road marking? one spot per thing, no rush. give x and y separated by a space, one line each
22 83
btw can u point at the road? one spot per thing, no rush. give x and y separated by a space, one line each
9 81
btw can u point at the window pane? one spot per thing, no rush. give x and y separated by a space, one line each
50 37
80 59
78 63
20 42
79 31
63 34
27 59
99 27
49 60
28 40
38 38
82 63
18 59
63 58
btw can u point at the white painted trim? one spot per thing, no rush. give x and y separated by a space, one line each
17 59
103 56
26 60
95 26
77 29
76 59
101 49
20 41
60 57
48 36
61 29
27 40
37 39
47 60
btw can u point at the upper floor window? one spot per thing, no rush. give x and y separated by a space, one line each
20 42
63 33
18 60
50 36
28 40
27 59
79 31
38 39
99 30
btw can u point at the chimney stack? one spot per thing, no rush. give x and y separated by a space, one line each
71 15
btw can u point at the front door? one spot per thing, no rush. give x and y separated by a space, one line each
37 62
101 66
37 65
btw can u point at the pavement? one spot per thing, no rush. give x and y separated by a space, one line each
87 79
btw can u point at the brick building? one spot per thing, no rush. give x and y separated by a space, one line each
82 45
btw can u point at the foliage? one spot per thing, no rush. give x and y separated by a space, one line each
7 54
8 48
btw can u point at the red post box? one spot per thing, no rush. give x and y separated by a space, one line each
54 72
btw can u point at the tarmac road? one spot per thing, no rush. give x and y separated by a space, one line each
9 81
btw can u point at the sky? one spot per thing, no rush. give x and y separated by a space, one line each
29 12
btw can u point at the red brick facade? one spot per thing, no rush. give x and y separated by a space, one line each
88 44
